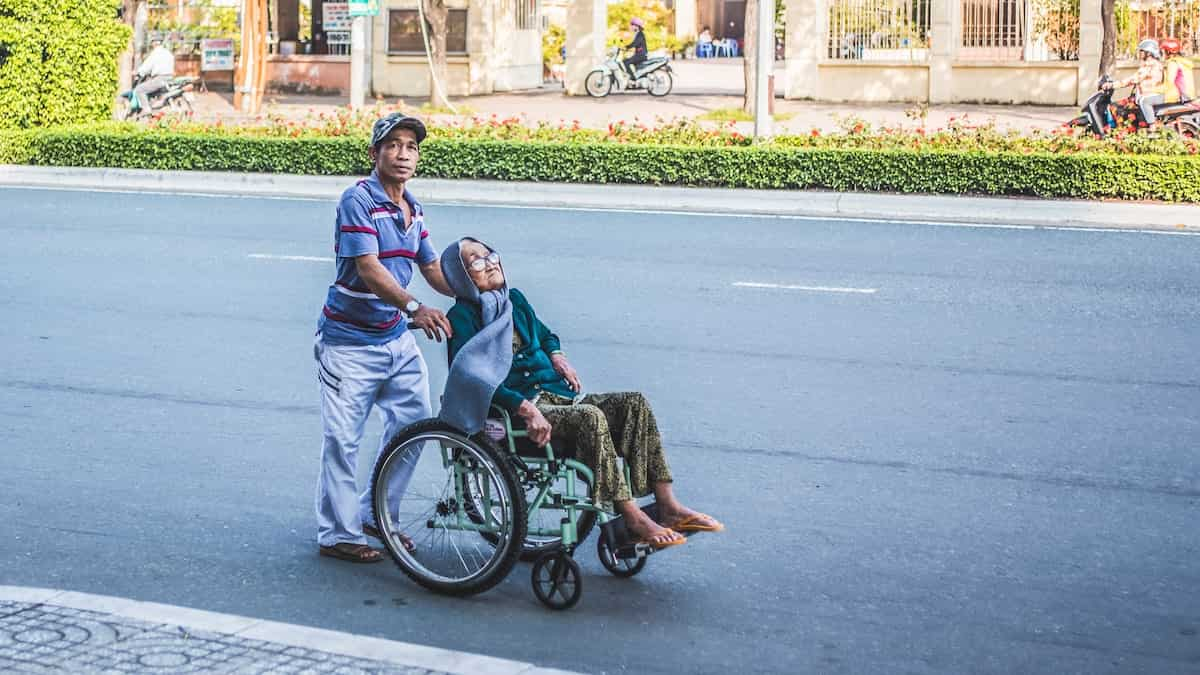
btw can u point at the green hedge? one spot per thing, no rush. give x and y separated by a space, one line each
58 61
1044 175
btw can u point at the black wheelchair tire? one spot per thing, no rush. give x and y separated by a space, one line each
613 564
566 565
504 468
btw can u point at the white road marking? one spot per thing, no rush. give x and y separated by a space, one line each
819 289
301 258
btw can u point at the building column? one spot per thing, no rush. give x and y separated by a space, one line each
943 48
804 47
685 19
587 24
481 46
1091 35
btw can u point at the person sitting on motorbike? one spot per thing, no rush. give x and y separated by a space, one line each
1180 82
639 49
1147 82
155 72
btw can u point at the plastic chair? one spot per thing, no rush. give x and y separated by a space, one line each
704 50
722 47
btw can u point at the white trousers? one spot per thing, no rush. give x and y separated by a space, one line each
391 377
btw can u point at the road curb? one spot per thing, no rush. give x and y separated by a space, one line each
333 642
799 204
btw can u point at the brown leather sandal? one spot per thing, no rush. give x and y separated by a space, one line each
355 553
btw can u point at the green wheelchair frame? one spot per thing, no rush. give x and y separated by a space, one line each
544 472
509 519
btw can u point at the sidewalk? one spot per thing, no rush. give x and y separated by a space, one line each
700 86
799 205
47 630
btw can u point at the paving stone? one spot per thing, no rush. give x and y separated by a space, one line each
43 638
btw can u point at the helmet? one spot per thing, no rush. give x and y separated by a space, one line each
1150 47
1169 46
637 22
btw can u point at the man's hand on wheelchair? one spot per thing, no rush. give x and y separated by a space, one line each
433 322
564 368
536 424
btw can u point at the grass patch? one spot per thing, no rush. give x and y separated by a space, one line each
739 115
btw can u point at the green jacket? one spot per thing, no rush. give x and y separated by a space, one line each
532 372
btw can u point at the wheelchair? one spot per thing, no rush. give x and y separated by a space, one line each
456 512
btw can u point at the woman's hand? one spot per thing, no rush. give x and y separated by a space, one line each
564 368
536 424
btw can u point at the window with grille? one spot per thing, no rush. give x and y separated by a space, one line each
878 30
404 32
994 29
528 12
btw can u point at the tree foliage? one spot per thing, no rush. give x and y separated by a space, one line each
58 61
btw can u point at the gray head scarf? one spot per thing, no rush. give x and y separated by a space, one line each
481 365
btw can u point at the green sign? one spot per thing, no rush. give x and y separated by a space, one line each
364 7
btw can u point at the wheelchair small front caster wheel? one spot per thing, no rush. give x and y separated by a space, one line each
619 567
557 580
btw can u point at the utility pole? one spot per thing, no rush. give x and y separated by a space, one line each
358 54
362 13
764 62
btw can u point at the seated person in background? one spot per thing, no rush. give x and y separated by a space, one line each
500 349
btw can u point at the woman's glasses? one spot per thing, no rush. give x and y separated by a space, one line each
479 264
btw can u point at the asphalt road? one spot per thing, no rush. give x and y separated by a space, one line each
988 464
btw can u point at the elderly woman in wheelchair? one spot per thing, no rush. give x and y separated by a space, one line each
555 474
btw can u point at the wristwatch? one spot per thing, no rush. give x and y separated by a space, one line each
412 307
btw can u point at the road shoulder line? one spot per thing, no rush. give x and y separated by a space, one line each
800 204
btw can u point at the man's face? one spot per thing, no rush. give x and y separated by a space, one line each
395 157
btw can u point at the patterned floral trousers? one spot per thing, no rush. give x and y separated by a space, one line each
602 427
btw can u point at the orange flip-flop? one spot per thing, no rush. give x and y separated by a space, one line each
695 523
676 539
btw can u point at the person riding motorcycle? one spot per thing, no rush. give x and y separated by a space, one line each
1180 82
638 45
1147 82
155 72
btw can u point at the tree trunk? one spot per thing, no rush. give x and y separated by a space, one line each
436 17
251 71
133 14
749 53
1108 45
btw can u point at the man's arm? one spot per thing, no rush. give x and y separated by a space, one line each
382 283
433 276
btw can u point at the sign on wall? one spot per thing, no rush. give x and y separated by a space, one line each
216 54
335 17
364 7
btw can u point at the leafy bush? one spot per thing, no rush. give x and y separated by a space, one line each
1087 175
60 63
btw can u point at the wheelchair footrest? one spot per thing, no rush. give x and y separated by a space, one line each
621 541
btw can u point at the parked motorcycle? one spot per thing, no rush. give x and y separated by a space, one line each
653 75
178 96
1101 113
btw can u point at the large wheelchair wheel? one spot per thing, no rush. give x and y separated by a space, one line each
442 490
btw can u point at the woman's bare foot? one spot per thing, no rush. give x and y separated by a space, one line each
646 531
678 517
681 518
